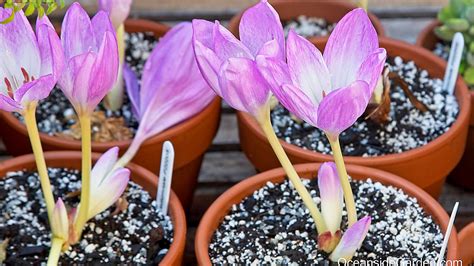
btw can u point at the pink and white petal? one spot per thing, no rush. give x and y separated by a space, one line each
271 49
332 197
227 46
35 90
372 68
133 90
307 67
259 25
108 192
118 10
353 39
203 32
83 78
209 65
104 166
243 87
294 99
60 222
18 43
9 105
100 25
104 71
342 107
51 51
77 36
275 71
351 240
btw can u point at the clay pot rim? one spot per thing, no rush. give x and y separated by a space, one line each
157 29
466 234
235 20
462 96
176 211
251 184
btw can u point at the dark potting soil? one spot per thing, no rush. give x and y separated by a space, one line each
407 128
442 49
55 114
139 235
272 226
308 26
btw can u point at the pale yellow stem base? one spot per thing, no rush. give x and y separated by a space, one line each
55 251
265 124
30 120
343 177
82 214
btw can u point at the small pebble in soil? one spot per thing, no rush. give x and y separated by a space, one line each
308 26
55 114
139 235
407 128
272 226
442 49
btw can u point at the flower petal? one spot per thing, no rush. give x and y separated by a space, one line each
80 70
227 46
341 108
108 192
243 86
9 105
100 25
351 240
104 166
372 68
77 36
35 90
260 24
60 222
104 71
18 49
332 197
51 51
118 10
307 67
353 39
133 90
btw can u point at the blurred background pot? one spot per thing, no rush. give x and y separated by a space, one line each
466 244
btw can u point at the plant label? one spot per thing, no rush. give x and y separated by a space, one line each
164 179
447 234
451 74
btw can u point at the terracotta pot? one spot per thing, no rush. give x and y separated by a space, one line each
219 209
426 166
332 11
190 138
461 174
143 177
466 244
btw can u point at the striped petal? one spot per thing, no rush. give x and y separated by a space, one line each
372 68
60 222
351 240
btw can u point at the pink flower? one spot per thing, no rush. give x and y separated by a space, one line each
92 60
29 64
118 10
329 91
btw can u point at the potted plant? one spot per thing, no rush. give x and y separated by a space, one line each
311 19
69 207
466 238
281 222
58 123
425 165
222 212
436 37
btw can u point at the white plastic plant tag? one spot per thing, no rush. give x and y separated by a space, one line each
451 74
164 179
447 235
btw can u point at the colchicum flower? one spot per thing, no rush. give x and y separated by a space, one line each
29 64
91 54
331 195
118 11
230 68
172 87
332 90
229 65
